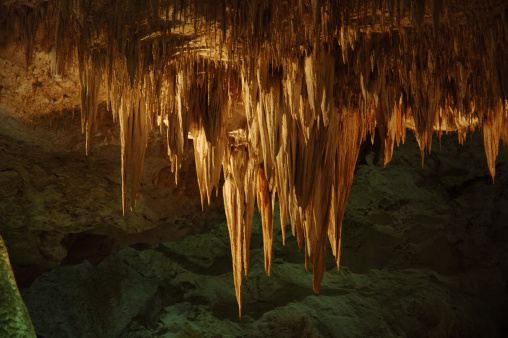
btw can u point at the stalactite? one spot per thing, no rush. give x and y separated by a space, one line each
138 137
231 197
208 136
239 187
278 96
265 207
90 81
492 130
350 138
319 77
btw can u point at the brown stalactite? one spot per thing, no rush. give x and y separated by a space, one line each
492 129
278 96
265 207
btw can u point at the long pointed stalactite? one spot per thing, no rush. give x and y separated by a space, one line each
277 96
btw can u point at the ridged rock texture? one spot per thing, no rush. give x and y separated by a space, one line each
276 95
14 319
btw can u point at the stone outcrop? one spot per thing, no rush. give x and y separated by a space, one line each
14 319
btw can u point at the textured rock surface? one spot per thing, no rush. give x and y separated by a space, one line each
281 90
425 254
277 95
59 206
14 319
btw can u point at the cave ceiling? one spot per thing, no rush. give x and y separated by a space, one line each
276 97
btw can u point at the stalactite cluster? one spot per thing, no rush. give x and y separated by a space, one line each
277 96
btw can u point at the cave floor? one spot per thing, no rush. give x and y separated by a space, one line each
424 254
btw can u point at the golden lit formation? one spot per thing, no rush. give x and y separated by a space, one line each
277 96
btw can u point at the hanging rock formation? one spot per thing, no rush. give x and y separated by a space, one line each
278 96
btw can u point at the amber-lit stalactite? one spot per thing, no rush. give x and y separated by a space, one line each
277 96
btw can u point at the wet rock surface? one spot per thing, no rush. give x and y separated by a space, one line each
424 255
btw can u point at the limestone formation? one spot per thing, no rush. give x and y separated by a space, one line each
277 95
14 319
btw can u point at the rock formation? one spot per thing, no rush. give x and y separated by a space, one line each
275 95
14 319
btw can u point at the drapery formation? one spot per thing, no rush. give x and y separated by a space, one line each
278 95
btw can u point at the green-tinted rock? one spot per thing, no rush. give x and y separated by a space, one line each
14 319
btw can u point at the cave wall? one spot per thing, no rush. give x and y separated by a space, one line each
14 318
275 97
424 254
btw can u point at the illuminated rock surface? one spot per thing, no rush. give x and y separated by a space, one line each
272 99
59 206
14 319
424 254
